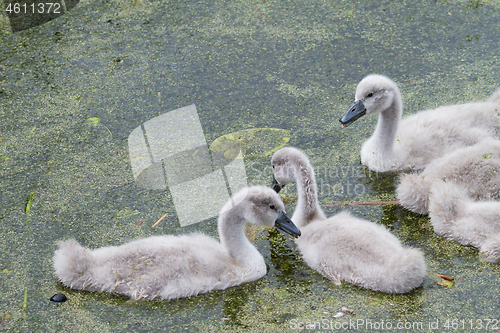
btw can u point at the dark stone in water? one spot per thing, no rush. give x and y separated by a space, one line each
59 298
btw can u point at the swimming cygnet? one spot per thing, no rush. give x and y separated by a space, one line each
476 168
456 217
172 267
419 138
344 247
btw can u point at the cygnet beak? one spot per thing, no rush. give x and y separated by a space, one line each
276 186
284 223
357 110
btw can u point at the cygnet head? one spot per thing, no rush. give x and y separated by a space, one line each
286 164
262 206
374 94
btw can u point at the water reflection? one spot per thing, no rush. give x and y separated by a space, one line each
236 303
286 261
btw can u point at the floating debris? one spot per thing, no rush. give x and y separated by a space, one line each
29 201
58 298
161 218
94 121
446 281
253 142
369 203
126 212
446 277
343 312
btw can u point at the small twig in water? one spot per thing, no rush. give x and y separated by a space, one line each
369 203
161 218
446 277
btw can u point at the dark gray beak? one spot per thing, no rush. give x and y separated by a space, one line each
357 110
284 223
276 186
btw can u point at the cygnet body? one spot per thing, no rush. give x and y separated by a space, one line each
415 141
457 217
172 267
475 168
344 247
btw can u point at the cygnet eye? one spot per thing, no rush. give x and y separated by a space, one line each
273 166
369 94
272 207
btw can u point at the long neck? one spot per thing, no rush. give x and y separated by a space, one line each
387 127
308 208
231 227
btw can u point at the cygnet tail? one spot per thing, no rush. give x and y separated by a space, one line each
490 250
413 193
72 264
406 272
447 203
495 97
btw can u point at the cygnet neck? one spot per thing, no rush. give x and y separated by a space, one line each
308 208
387 126
231 227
